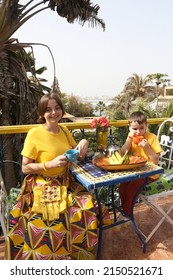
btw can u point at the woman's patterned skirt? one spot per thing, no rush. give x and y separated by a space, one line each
72 236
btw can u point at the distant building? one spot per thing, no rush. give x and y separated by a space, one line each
168 92
165 99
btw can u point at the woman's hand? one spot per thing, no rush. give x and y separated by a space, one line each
82 147
59 161
31 167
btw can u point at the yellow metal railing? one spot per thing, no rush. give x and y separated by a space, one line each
13 129
83 129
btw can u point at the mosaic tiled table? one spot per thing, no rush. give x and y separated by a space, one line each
93 178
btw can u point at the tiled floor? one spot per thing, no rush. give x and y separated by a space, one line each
124 244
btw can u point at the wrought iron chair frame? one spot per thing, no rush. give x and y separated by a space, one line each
152 199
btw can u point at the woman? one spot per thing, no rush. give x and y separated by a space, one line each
53 217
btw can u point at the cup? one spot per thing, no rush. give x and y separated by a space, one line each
137 139
72 155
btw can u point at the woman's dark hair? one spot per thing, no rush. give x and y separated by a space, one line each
137 117
42 105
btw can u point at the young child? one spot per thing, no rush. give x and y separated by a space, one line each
143 144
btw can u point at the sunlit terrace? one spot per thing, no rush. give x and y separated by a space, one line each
161 244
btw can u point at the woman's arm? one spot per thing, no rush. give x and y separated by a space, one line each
31 167
82 147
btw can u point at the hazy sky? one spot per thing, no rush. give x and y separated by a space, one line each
90 62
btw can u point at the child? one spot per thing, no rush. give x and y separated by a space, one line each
143 144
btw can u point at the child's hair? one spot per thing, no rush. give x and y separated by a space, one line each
137 117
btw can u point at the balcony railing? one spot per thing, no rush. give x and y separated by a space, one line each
117 134
13 129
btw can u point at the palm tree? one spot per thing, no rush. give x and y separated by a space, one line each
100 106
121 105
137 86
18 94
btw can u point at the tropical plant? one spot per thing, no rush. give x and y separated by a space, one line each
158 78
119 106
20 93
136 89
101 107
77 108
137 86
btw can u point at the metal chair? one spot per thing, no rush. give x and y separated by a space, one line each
163 187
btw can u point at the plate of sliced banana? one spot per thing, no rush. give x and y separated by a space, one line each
116 162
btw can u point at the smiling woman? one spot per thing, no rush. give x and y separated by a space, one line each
52 116
55 215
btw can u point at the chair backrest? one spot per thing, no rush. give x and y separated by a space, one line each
165 136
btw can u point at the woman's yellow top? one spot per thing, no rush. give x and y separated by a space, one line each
42 146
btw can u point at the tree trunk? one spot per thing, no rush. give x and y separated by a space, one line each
8 168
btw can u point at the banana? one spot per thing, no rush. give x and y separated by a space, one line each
116 158
126 160
113 159
125 157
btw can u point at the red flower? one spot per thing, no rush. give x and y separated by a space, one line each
100 122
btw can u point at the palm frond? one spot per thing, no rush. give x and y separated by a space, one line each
13 15
81 10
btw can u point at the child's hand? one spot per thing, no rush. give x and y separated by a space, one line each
137 139
132 133
143 143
